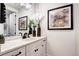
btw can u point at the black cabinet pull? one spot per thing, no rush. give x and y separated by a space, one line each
44 40
42 45
36 50
18 54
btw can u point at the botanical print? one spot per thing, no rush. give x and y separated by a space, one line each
60 18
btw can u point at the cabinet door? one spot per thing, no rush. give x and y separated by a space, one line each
42 48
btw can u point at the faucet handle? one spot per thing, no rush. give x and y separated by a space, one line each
25 34
20 33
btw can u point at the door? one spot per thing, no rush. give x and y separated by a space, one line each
12 28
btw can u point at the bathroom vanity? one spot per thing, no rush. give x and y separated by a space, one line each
35 46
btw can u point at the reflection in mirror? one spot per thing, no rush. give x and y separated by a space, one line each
12 9
10 25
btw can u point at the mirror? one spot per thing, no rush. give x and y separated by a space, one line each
10 25
14 11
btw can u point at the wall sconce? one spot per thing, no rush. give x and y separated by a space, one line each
2 13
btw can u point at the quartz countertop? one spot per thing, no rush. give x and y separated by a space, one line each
13 44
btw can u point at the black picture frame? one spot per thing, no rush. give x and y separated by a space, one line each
71 17
22 23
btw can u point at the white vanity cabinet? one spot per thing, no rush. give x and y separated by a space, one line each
17 52
34 47
37 48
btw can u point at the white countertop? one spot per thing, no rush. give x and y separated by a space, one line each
13 44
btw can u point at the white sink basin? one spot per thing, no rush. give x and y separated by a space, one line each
13 38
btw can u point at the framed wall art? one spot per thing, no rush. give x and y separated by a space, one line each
22 23
61 18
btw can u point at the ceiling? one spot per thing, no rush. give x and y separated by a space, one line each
14 5
17 5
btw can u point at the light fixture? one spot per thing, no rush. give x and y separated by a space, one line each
27 5
22 4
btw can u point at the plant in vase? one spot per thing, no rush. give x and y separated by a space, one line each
30 26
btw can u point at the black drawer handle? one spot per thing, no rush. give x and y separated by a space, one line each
44 40
42 45
18 54
36 50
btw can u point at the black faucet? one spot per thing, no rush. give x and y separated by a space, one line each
24 36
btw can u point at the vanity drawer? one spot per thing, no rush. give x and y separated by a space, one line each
17 52
21 51
33 52
37 51
33 45
7 54
37 48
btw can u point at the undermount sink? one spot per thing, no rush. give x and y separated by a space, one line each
12 38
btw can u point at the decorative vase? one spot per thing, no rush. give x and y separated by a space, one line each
30 30
34 32
0 47
2 39
39 30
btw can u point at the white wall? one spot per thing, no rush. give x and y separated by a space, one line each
76 16
1 29
60 42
